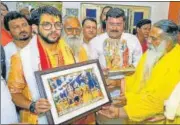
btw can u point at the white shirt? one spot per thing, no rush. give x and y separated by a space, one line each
10 49
172 105
8 111
87 48
96 48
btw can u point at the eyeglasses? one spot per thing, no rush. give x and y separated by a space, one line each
48 26
71 30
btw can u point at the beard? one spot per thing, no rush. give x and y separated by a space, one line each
46 39
153 56
74 43
23 36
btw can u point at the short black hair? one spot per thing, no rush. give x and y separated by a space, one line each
115 13
143 22
90 19
36 14
11 16
5 6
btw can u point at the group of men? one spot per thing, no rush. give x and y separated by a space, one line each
58 42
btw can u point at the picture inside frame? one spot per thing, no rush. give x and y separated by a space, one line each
74 92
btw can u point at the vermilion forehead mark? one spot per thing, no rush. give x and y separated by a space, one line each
50 18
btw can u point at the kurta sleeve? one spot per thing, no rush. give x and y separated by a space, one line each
16 80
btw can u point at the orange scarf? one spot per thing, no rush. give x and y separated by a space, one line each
44 61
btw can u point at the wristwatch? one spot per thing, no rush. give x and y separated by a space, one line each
32 107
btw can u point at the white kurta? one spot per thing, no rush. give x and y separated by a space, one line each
8 110
10 49
172 105
97 52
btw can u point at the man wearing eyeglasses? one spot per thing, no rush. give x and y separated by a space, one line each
19 28
72 35
45 50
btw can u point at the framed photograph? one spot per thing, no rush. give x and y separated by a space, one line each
72 12
73 91
36 4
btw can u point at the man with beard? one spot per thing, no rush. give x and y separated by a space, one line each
5 36
156 76
19 28
102 27
89 27
45 50
72 35
72 30
143 28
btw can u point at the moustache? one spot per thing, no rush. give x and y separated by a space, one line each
73 37
52 33
114 31
23 32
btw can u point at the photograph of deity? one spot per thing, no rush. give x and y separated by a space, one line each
73 91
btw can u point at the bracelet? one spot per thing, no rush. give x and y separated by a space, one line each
32 107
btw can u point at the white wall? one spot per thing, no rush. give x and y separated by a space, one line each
159 10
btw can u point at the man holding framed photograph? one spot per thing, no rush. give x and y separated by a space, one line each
45 51
115 49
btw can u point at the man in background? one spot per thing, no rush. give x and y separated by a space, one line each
5 36
19 28
89 27
72 35
143 28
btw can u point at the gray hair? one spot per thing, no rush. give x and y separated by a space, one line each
170 30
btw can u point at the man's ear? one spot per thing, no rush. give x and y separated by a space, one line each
137 29
169 45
